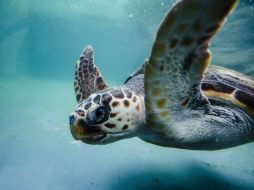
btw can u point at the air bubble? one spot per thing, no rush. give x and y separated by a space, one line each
130 15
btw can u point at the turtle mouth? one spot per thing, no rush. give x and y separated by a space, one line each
104 138
90 134
93 138
81 130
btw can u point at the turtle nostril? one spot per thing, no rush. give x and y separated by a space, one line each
71 119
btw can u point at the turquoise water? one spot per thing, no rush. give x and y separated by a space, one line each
39 44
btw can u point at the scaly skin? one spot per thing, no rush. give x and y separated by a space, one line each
172 100
219 125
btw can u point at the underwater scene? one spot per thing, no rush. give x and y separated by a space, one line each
40 43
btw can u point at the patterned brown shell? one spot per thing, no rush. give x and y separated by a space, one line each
231 86
87 76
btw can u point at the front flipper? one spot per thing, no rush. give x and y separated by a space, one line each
180 57
87 76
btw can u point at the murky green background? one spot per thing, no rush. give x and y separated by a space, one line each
40 42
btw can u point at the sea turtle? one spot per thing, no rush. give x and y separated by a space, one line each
173 99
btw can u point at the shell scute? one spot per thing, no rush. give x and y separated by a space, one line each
230 86
245 98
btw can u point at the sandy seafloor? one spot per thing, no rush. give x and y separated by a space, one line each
39 44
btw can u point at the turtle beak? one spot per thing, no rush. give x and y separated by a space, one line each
77 130
80 129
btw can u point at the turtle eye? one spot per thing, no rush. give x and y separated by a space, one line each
99 113
80 112
98 116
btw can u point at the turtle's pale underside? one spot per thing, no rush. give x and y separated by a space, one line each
174 99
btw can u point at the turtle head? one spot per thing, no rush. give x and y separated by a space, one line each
106 116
